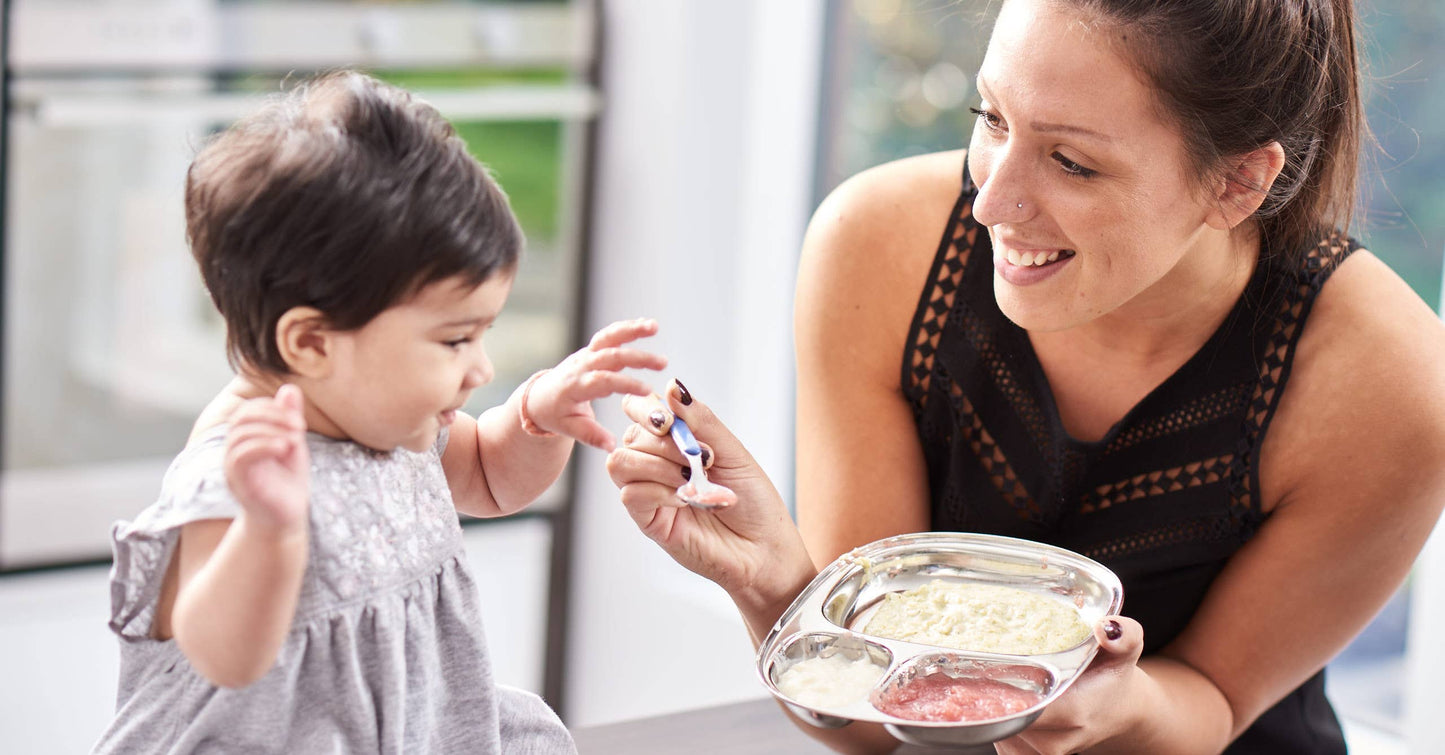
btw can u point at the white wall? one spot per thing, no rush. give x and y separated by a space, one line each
703 191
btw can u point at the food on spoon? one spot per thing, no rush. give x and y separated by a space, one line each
712 496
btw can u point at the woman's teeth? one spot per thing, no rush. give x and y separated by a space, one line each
1037 259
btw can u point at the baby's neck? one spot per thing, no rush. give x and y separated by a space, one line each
247 386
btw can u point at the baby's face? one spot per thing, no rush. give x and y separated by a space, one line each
401 378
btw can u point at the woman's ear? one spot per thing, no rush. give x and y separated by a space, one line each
304 342
1245 185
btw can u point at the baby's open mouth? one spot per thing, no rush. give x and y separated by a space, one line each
1039 258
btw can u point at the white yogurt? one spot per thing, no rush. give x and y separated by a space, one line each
983 618
831 682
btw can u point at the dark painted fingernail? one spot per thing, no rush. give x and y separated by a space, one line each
657 418
706 455
687 473
682 393
1112 630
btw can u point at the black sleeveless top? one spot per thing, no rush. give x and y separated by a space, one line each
1165 497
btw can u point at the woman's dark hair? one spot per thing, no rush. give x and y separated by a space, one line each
344 194
1238 74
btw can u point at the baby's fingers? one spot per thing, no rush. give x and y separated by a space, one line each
615 359
587 430
595 385
244 452
622 332
260 428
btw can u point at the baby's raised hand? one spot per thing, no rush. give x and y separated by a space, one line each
560 400
267 464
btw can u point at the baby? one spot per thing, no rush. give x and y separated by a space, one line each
300 584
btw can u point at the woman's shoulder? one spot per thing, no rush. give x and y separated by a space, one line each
910 196
1367 382
1367 318
881 227
867 255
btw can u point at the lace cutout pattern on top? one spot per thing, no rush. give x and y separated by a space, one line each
1195 531
985 341
1303 284
1194 474
943 291
990 455
1203 410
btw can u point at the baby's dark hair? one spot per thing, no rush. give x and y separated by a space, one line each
344 194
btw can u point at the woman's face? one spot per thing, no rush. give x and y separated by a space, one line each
1068 129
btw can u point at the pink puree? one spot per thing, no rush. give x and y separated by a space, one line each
940 697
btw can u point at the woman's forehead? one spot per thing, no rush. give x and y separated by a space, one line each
1054 64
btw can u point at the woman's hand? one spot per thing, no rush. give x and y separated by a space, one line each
268 466
1098 705
751 549
560 400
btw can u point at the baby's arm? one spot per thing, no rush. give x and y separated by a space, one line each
231 592
496 467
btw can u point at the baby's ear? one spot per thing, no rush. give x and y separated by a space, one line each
305 343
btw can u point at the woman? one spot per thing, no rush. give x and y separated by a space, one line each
1141 338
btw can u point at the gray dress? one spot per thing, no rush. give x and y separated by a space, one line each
385 654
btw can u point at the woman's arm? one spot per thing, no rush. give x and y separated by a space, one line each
1353 468
865 260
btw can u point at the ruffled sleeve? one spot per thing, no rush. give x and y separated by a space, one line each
194 489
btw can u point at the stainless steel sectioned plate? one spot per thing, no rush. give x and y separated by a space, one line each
828 617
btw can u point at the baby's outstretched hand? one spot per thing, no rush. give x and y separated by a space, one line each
560 400
267 464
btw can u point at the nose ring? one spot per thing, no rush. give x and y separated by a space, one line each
1021 205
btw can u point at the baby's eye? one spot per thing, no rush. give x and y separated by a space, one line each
457 343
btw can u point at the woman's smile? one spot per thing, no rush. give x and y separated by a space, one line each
1026 265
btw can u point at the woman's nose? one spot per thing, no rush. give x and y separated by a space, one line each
1003 193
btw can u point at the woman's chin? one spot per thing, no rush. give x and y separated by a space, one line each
1031 311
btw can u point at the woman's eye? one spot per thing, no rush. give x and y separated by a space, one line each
990 121
1073 168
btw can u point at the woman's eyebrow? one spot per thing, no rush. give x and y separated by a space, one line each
1045 127
1064 128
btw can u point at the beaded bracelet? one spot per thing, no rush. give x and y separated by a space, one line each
528 426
